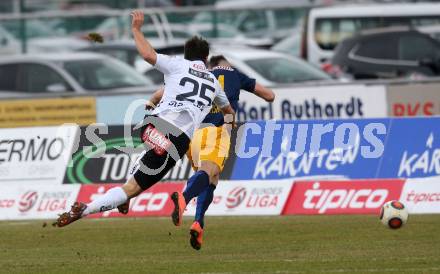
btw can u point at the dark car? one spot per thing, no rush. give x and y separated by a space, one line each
387 54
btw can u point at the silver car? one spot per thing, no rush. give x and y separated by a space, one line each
81 72
271 68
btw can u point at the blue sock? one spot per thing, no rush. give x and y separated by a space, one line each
196 184
203 202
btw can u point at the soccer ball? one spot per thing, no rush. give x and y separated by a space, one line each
394 214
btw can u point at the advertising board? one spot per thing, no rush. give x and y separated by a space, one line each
347 148
413 100
35 155
35 201
323 102
47 112
342 197
154 201
247 198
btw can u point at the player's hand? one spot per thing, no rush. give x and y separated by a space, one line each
149 106
234 124
230 119
137 19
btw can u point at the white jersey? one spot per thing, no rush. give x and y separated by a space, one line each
190 91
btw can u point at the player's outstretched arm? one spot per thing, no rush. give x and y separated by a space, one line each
251 85
143 46
264 93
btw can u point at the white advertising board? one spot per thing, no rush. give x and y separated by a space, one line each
422 195
322 102
250 197
35 154
35 201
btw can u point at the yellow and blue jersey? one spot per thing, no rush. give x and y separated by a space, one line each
232 82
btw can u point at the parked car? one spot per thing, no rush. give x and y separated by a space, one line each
388 54
431 30
268 67
68 72
327 26
271 68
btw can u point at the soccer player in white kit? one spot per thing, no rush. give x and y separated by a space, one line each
190 91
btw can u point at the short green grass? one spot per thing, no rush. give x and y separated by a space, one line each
295 244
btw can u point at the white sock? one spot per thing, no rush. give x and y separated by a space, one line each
112 198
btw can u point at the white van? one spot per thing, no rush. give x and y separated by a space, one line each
327 26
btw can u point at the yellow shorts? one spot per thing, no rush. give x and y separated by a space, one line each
209 144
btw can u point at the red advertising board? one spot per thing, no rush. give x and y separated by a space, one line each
342 197
153 202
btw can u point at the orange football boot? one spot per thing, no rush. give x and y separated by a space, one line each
74 214
196 233
179 208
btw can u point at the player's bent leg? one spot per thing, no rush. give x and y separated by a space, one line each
150 168
132 189
110 200
207 172
113 198
195 185
205 198
212 169
203 201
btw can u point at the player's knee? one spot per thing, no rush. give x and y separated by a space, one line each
211 169
214 181
132 188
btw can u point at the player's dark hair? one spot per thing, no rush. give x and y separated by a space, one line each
215 60
196 48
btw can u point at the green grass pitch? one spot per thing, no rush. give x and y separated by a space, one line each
295 244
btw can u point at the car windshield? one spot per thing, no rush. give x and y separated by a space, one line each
284 70
103 74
